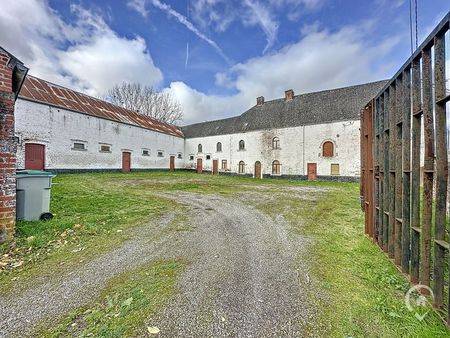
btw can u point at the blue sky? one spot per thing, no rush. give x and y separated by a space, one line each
214 56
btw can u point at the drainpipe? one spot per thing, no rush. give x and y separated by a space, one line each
304 163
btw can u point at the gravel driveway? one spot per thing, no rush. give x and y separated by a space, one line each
246 277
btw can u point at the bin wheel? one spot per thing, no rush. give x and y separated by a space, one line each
46 216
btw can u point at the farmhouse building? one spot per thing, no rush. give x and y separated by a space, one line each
315 135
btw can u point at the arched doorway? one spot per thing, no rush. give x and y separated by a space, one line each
257 169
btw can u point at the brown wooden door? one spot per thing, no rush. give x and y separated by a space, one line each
199 166
126 162
257 169
215 167
172 163
34 156
312 171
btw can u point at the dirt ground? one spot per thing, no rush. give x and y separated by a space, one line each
246 277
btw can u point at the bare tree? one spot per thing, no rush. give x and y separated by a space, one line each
147 101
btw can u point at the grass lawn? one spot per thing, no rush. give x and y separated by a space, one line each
95 213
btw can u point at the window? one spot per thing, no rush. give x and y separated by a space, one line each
191 157
145 152
276 143
180 155
328 149
241 145
241 167
160 153
335 169
224 164
79 146
200 148
208 157
276 168
219 147
105 148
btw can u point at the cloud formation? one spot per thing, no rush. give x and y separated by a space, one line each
85 54
320 60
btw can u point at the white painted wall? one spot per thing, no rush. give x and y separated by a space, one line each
58 128
299 146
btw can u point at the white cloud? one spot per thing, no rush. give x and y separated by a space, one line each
85 55
138 6
261 15
320 60
181 19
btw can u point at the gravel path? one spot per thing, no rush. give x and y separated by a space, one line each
49 300
246 278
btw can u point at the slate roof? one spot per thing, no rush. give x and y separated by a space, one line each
305 109
41 91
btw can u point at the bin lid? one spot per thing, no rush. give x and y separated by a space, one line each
28 173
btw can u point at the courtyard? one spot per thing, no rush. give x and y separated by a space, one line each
180 254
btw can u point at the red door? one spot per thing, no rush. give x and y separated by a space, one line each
126 162
34 156
312 171
172 163
199 166
215 167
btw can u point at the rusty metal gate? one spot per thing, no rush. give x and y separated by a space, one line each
404 166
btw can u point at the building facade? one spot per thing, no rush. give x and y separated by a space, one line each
309 135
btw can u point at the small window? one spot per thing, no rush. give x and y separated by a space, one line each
191 157
79 146
219 147
335 169
241 167
328 149
145 152
180 155
276 143
208 157
276 168
160 153
105 148
224 164
200 148
241 145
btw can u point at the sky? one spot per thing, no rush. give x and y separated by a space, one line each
214 56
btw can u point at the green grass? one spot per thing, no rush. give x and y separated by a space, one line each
123 306
365 292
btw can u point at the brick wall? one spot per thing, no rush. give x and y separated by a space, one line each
8 84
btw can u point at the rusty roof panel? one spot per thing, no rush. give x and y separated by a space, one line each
35 89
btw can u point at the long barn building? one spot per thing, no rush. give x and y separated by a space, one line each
315 135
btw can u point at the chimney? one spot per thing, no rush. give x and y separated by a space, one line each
288 95
260 101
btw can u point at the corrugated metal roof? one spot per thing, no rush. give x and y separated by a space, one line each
313 108
38 90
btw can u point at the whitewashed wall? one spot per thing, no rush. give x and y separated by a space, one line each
58 128
299 146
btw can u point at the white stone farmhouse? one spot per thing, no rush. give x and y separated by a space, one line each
315 134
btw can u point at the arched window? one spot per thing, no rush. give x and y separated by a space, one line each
276 167
328 149
241 145
219 147
200 148
276 143
241 167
